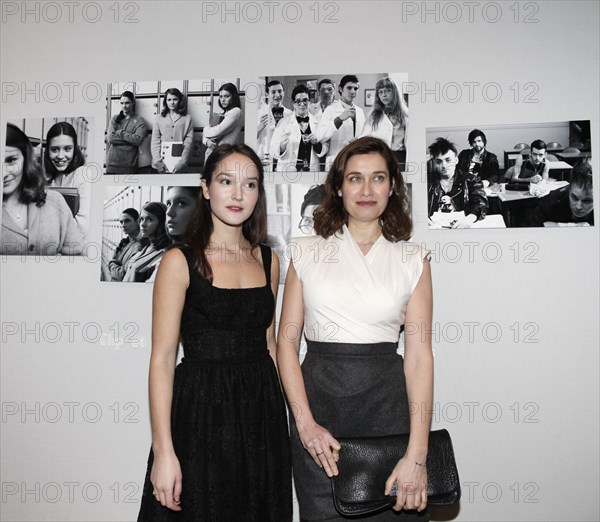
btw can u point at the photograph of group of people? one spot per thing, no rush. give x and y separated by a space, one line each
168 127
46 198
139 224
306 120
484 176
528 175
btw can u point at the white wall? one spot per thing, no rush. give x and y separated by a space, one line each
516 310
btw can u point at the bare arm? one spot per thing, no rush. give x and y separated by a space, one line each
546 171
315 439
517 168
410 472
418 364
170 287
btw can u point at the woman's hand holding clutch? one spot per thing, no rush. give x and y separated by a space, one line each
409 481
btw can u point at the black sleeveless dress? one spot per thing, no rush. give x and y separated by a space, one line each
229 423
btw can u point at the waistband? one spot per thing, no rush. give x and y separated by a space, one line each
248 358
356 349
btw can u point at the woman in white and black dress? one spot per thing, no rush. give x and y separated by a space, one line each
354 286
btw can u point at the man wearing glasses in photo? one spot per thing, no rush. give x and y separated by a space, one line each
294 144
312 199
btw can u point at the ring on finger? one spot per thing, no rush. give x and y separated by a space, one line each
319 454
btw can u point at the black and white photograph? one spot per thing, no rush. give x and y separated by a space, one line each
47 186
506 176
139 224
304 121
290 208
169 127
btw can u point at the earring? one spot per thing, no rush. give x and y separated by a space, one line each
391 192
339 193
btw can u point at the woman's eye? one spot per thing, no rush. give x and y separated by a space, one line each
251 184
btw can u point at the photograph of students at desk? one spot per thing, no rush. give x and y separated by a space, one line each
534 186
549 201
572 205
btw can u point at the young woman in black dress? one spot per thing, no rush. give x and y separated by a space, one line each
220 447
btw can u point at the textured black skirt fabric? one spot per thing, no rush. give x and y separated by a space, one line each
354 390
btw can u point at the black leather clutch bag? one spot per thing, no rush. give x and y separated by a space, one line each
366 463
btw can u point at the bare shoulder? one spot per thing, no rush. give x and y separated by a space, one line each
173 269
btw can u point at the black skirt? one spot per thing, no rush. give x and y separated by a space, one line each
354 390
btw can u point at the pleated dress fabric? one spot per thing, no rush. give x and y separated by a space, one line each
229 423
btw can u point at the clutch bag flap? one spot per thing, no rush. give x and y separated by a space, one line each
366 463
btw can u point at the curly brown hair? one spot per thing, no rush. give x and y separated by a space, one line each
330 216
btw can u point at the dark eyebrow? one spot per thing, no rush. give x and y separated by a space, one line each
236 175
374 172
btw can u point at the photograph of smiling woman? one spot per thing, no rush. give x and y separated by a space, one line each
64 165
34 220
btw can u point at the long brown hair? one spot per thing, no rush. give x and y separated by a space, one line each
78 160
201 227
330 216
32 188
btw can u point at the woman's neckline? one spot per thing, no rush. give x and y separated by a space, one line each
240 288
358 245
243 288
